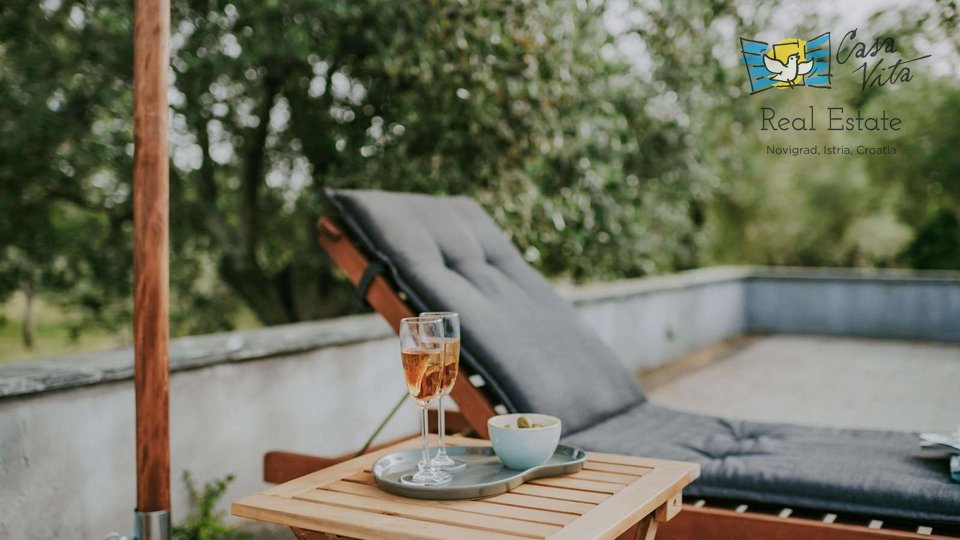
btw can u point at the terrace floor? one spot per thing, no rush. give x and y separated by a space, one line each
818 380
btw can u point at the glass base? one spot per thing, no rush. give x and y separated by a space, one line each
443 462
426 478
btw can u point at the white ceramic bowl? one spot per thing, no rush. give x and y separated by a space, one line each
523 448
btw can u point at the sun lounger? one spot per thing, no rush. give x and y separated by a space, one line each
534 353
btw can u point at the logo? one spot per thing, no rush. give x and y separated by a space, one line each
789 63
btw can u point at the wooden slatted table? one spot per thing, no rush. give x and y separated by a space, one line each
613 496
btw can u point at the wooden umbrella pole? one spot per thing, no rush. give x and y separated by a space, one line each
151 253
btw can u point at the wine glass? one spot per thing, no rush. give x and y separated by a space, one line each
421 350
451 365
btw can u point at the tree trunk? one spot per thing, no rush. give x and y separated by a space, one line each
259 293
27 288
239 266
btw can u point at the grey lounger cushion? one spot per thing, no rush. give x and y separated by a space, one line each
528 343
879 473
532 348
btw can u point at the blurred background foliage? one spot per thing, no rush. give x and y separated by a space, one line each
611 139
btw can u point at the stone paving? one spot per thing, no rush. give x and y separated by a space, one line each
827 381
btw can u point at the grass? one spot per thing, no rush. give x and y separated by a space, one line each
51 332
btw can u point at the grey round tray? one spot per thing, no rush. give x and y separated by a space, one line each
484 476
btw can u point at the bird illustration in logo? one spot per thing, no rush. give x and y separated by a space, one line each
788 63
788 72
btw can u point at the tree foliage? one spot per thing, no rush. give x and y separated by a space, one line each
607 138
64 156
859 210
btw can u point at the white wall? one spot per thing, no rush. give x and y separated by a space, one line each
67 460
648 322
894 306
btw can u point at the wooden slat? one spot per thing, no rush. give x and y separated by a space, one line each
598 476
336 472
616 459
280 467
349 522
544 503
632 470
362 477
534 496
616 514
482 506
722 524
431 515
571 483
561 493
460 440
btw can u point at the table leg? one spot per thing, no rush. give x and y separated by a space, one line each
304 534
645 529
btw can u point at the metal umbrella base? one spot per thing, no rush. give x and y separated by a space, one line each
147 526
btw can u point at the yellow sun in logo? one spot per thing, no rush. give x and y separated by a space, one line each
781 52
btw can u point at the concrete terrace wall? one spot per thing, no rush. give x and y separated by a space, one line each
889 304
649 321
66 424
66 456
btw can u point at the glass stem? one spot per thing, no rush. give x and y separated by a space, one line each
424 431
441 427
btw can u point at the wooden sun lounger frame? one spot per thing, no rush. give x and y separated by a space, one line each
696 521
